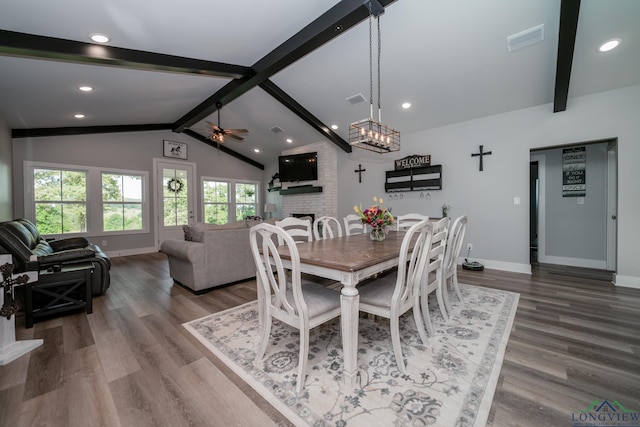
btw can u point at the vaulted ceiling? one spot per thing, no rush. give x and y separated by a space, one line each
290 66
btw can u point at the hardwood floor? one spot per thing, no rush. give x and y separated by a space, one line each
576 338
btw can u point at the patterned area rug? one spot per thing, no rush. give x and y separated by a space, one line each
451 381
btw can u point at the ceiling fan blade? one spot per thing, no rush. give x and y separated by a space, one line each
237 130
236 137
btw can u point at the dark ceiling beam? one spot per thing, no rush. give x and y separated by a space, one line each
223 148
286 100
84 130
329 25
569 11
33 46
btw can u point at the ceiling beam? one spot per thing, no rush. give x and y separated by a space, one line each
569 11
329 25
223 148
84 130
286 100
33 46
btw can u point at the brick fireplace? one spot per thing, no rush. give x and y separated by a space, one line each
320 203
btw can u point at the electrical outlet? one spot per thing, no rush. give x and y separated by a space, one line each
469 246
104 243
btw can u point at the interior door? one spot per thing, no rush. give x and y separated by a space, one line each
612 207
175 194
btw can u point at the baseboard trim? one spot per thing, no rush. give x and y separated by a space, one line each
127 252
626 281
574 262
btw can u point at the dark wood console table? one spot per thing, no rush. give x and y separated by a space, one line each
59 291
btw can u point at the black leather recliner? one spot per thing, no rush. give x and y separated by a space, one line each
31 251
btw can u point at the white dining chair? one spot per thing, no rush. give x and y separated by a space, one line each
353 225
398 291
298 228
432 280
326 227
405 221
450 262
302 307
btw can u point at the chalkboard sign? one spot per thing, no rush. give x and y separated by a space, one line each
574 165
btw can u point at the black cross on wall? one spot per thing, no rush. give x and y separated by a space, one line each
359 172
480 154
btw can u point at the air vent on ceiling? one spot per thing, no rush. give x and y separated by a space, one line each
276 129
525 38
356 99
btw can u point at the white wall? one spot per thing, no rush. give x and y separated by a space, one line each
6 171
498 229
129 151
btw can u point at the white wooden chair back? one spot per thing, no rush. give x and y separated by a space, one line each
283 296
451 255
432 280
404 222
330 228
298 228
353 225
391 298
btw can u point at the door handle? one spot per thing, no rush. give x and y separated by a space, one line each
614 217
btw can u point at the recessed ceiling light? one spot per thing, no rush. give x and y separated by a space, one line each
406 105
334 127
85 88
99 38
609 45
256 150
289 140
79 116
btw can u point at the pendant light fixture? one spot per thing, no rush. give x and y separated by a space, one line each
370 134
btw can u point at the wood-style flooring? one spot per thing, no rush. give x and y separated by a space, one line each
576 338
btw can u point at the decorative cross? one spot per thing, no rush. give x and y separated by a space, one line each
9 306
481 153
359 172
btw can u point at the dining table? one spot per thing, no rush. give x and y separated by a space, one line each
349 260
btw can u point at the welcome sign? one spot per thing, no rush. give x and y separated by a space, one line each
411 162
574 165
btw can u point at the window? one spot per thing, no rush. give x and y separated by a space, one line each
70 199
228 201
216 202
245 200
60 200
121 202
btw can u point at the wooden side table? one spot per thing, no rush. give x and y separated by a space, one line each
59 291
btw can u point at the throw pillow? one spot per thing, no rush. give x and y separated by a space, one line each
188 237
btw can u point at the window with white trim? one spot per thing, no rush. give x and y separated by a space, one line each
60 200
228 200
121 202
92 201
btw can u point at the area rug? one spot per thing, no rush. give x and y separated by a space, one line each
450 381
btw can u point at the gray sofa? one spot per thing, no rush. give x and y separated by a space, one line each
212 255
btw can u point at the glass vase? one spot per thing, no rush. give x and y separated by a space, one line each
377 234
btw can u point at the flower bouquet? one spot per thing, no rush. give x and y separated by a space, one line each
377 217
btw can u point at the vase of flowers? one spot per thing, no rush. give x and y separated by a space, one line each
445 210
377 217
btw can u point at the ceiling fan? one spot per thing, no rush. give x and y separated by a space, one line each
218 134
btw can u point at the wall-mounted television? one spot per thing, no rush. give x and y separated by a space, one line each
298 167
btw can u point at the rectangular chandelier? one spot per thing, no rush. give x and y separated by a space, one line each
371 135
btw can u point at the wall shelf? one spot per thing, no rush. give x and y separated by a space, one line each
301 190
415 179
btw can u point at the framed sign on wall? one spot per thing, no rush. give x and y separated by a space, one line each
176 150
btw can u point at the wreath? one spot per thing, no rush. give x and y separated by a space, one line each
175 185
